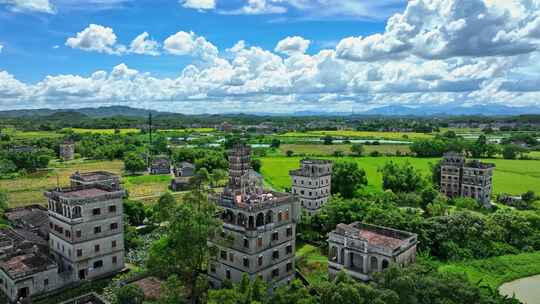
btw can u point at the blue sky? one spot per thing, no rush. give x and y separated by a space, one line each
212 56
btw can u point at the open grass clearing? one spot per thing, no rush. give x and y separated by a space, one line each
511 176
497 270
312 263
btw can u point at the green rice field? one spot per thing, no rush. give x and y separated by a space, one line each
362 134
511 176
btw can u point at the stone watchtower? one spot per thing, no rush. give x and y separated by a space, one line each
451 166
312 183
259 227
460 178
86 226
67 150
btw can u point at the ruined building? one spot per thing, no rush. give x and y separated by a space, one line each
360 249
259 227
311 183
85 239
460 178
67 150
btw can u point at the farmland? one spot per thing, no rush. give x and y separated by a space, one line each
328 150
29 189
361 134
511 176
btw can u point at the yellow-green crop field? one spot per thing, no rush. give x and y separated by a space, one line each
17 134
511 176
105 131
199 130
362 134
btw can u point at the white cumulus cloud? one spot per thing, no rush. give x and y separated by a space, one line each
39 6
440 29
292 45
144 46
199 4
96 38
184 43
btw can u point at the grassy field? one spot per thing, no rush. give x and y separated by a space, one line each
29 189
17 134
328 150
362 134
498 270
312 263
511 176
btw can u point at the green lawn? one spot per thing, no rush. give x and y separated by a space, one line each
498 270
312 263
105 131
511 176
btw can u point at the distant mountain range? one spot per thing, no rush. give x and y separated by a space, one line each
100 112
451 110
394 110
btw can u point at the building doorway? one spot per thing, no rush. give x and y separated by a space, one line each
23 293
82 274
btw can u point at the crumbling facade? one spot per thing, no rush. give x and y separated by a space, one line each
312 183
360 249
259 227
67 150
460 178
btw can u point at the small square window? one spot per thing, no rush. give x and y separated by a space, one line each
114 226
275 236
98 264
79 252
246 243
96 248
114 260
246 262
97 229
113 244
78 233
96 211
46 282
112 209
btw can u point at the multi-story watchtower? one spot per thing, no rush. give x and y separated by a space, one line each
451 166
312 183
67 150
477 181
86 226
259 228
460 178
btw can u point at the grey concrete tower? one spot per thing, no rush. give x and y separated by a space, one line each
86 227
259 227
312 183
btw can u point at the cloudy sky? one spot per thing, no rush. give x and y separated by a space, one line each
282 56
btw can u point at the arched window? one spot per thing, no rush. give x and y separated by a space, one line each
373 264
269 217
260 219
385 264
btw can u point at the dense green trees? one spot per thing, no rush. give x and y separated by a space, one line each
347 177
401 177
357 149
183 249
134 162
129 294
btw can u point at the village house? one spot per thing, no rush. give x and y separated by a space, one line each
361 249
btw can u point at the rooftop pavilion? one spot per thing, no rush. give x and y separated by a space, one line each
384 238
81 195
95 177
